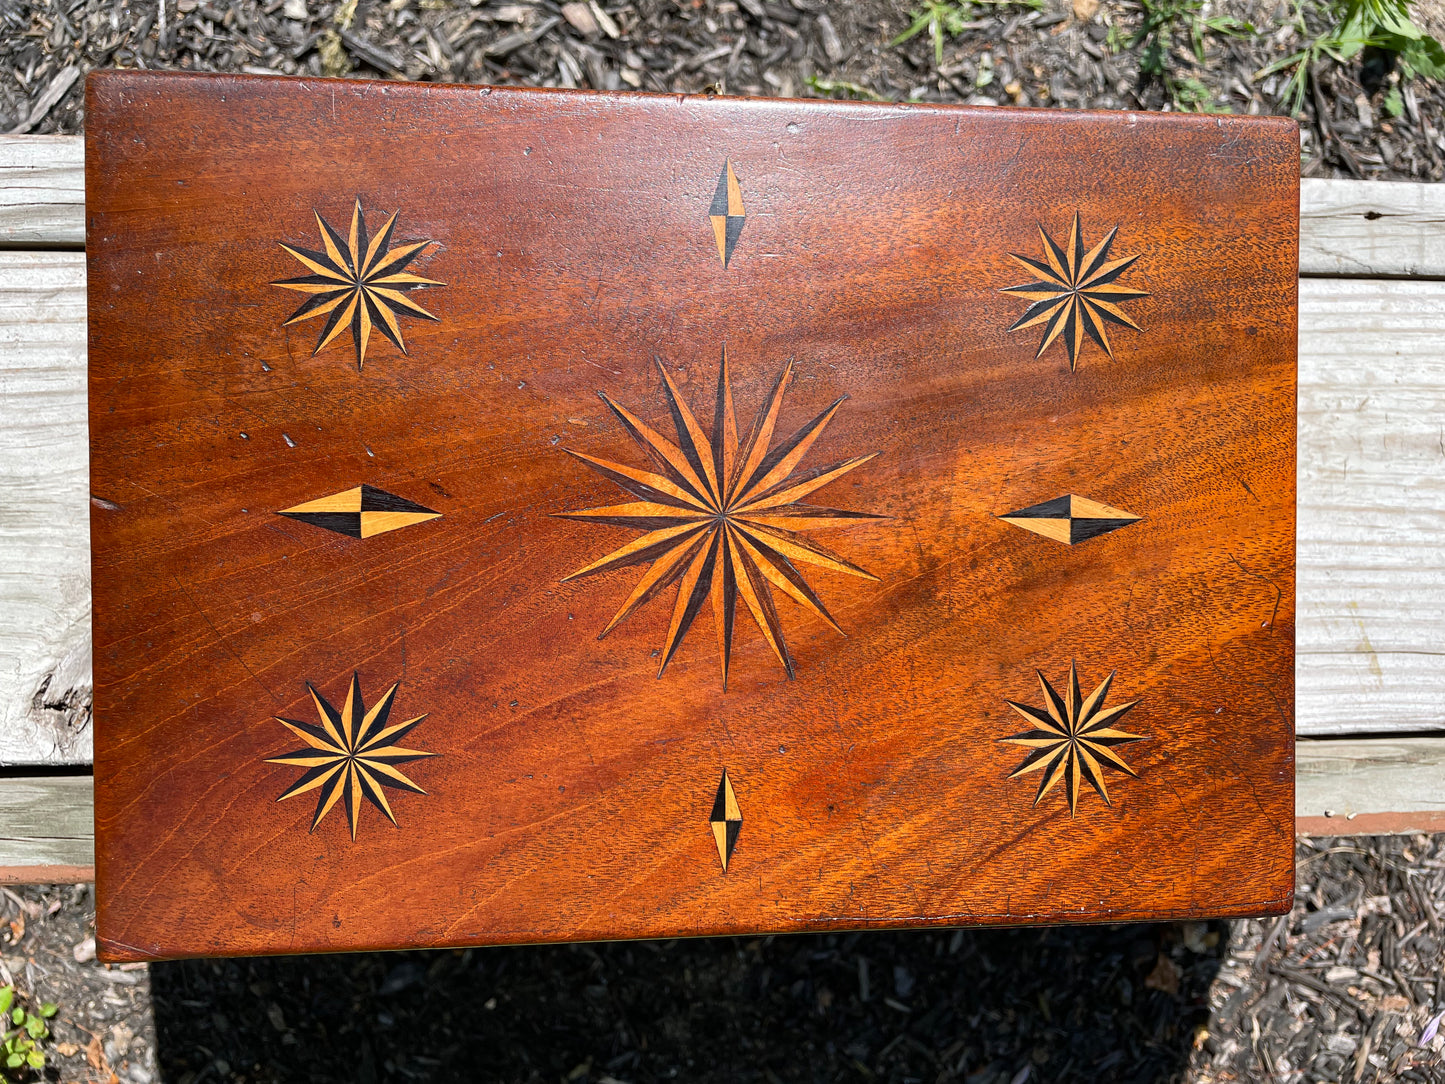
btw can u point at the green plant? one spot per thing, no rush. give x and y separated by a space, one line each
1355 25
1192 96
21 1034
940 17
1164 20
830 87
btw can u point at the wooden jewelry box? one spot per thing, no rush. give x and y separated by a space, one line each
532 516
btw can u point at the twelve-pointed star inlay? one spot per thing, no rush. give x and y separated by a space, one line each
1076 292
722 517
1073 738
358 283
352 755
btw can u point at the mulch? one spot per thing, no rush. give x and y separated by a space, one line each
1080 54
1347 988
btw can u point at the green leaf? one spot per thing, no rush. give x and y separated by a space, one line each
35 1027
1228 24
1294 60
14 1061
1345 41
35 1059
829 87
1394 19
7 998
49 1009
17 1016
1426 56
1394 102
920 23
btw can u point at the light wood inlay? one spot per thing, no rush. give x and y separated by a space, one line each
352 755
358 283
727 214
726 820
1076 293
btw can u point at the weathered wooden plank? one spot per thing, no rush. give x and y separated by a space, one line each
1362 786
44 525
1371 617
1372 228
42 192
1353 228
1372 508
46 821
1342 787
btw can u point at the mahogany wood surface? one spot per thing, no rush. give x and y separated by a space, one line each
415 529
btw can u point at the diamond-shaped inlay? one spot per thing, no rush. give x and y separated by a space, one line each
1070 519
726 819
727 213
361 512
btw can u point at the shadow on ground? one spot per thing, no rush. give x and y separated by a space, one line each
994 1007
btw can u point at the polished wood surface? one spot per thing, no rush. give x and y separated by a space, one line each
606 380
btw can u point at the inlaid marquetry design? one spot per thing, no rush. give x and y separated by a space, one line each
1076 293
1070 519
359 283
1073 739
723 519
727 213
726 820
361 512
352 756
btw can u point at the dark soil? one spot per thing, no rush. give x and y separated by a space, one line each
47 949
1073 53
1342 990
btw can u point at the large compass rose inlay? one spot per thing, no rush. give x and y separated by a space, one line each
723 518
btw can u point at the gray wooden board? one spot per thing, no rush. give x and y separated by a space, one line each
1372 229
42 192
1370 637
44 511
1354 228
1372 508
1371 591
1348 778
47 821
1372 445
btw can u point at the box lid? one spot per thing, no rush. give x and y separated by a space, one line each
532 516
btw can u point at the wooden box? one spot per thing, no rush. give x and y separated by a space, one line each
531 516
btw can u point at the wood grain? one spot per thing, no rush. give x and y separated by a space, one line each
46 821
42 192
1372 229
44 542
1343 787
1369 229
1371 591
1372 507
570 790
